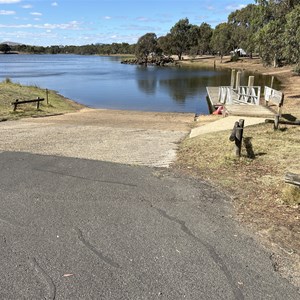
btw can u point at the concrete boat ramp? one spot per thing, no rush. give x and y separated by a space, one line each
224 124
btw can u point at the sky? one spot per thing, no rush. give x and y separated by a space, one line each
80 22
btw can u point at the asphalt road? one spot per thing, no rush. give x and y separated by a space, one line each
72 228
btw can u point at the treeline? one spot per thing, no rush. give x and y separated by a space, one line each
101 49
270 28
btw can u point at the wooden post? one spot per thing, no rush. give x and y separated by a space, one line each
237 136
276 122
16 104
272 82
233 133
251 81
38 103
214 64
47 99
238 79
232 78
280 105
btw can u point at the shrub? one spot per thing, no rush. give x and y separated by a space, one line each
7 80
296 69
234 57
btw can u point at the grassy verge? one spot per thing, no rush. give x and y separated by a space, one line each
262 199
10 91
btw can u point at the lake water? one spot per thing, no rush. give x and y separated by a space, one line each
103 82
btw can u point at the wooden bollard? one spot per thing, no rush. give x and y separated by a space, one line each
237 136
238 79
276 122
251 81
232 81
47 96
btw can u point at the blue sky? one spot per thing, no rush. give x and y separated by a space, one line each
79 22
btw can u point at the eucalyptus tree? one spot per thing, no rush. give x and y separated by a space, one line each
193 40
270 41
180 34
199 39
165 44
221 41
5 48
205 35
245 23
146 45
291 36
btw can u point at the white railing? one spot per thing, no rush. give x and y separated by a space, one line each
243 94
248 94
273 95
225 94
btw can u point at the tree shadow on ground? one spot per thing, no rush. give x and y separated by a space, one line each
249 148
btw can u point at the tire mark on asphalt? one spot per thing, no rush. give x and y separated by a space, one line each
212 252
94 250
10 222
41 273
88 179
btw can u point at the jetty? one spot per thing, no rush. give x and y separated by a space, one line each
237 100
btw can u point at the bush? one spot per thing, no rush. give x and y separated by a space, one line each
234 57
296 69
7 80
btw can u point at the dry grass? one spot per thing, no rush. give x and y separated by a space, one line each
12 91
255 179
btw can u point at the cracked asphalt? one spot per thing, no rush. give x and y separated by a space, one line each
73 228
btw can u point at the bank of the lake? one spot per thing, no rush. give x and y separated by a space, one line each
52 104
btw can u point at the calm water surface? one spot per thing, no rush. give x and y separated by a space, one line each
103 82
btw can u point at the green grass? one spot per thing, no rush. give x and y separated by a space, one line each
10 91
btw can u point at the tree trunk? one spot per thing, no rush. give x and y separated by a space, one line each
275 63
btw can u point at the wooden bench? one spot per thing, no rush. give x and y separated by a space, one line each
18 102
274 97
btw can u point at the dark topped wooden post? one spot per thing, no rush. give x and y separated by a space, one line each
237 136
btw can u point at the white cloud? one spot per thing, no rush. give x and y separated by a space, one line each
7 12
74 25
54 4
27 6
9 1
235 7
36 14
107 18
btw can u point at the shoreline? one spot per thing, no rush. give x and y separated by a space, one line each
290 83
